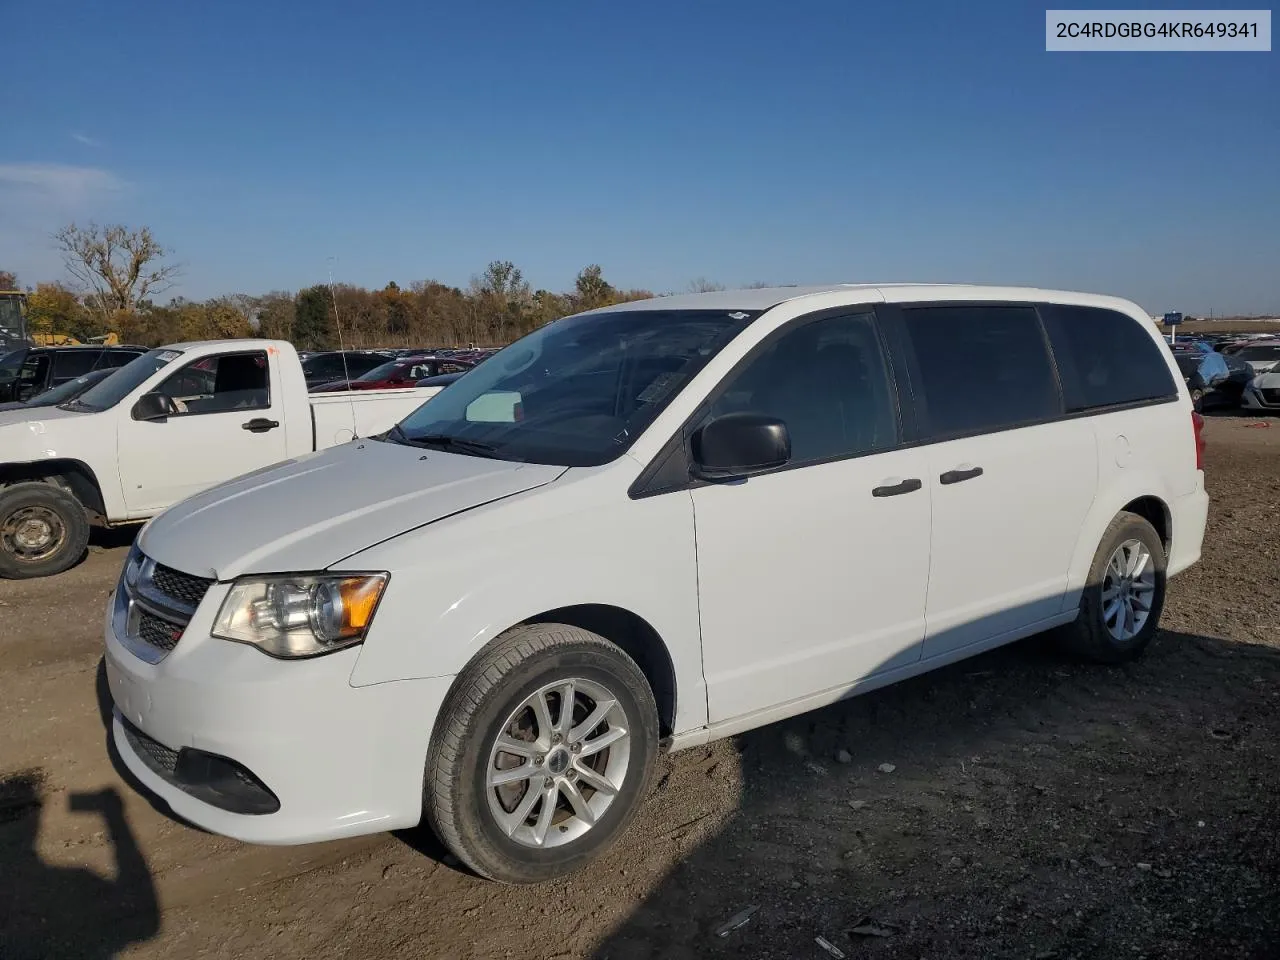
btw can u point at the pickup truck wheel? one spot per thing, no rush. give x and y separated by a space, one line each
541 754
1124 595
43 530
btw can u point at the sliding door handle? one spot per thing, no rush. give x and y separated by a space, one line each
896 489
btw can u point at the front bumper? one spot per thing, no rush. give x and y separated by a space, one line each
1255 398
341 760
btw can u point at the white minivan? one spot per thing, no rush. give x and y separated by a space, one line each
648 526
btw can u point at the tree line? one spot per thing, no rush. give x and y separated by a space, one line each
119 275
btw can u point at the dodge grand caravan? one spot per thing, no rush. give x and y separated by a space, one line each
644 527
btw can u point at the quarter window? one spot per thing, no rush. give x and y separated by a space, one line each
827 381
1106 359
982 368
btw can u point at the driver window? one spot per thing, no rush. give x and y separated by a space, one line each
234 381
827 380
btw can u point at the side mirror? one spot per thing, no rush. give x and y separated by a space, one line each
740 445
154 407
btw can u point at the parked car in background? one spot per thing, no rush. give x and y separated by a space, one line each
1263 356
397 374
1204 374
1264 392
339 365
171 423
31 370
442 380
802 495
62 393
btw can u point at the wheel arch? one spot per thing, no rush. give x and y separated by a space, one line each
74 476
1141 495
637 638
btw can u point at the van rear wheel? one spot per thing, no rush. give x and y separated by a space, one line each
542 754
1124 595
43 530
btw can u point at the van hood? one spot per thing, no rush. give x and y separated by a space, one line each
314 511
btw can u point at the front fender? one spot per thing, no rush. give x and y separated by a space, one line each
459 583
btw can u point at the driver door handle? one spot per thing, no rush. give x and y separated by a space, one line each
259 425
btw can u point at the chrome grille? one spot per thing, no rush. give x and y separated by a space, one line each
154 604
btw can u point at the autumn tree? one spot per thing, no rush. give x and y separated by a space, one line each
275 315
313 319
116 266
591 289
52 308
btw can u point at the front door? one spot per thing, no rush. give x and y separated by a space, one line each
227 420
813 576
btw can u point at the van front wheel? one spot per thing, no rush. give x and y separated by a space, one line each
1124 595
542 754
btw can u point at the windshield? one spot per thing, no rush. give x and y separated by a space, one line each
10 317
105 395
65 391
1267 352
385 371
576 392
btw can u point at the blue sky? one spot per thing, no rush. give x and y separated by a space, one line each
740 142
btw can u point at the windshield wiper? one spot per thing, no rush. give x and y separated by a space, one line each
443 440
75 403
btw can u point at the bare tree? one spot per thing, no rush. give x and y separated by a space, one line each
116 266
703 285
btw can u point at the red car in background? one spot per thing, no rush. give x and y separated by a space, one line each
398 374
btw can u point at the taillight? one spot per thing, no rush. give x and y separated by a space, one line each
1197 428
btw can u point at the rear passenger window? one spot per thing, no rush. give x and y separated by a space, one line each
982 368
1105 358
827 381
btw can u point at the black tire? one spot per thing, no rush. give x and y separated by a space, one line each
516 666
52 506
1088 636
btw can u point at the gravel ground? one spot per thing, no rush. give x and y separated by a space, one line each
1014 805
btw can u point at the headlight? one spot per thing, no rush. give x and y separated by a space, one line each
300 616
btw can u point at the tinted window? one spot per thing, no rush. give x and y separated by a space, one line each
827 381
1106 358
1259 353
234 381
981 368
117 358
69 364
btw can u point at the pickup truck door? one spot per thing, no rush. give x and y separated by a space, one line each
226 418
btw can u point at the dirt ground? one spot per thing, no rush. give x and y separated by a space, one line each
1036 808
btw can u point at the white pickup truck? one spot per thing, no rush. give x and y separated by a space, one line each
171 423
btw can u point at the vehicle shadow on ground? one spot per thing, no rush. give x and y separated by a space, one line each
1017 804
47 910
